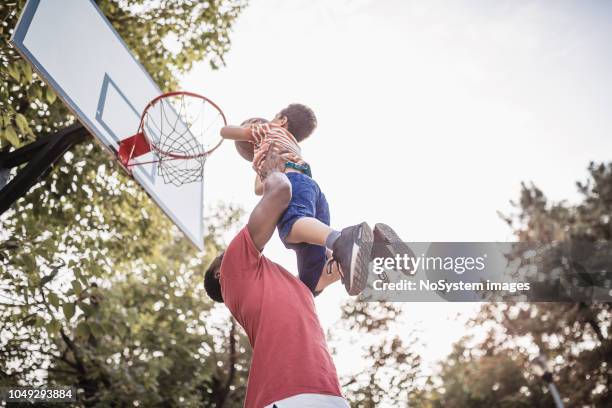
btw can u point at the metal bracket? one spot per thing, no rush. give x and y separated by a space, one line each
40 157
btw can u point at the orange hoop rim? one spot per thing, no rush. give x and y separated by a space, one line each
178 93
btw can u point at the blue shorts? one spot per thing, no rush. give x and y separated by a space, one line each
307 200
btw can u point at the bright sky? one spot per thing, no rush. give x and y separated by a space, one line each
430 115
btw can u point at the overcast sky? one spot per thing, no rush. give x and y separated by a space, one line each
430 114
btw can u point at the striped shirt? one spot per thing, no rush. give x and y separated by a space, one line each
263 134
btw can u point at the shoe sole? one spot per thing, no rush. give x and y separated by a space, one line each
386 234
360 260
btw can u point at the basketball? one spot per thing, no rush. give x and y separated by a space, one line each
245 149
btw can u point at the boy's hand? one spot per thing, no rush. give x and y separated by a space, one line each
273 162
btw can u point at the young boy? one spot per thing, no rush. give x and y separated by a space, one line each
305 225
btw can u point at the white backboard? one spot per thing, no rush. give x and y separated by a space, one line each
76 51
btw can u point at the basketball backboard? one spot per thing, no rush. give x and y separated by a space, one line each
77 52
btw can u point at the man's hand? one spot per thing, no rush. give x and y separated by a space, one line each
259 187
273 162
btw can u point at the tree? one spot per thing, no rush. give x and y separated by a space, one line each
574 335
472 376
97 288
391 367
102 292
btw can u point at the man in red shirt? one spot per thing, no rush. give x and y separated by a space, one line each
291 366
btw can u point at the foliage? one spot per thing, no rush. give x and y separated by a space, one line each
574 336
97 288
100 291
391 366
473 377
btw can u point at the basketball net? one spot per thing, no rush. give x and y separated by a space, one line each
180 129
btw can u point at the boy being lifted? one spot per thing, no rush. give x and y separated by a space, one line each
305 225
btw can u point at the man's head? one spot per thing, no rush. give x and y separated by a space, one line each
211 279
298 119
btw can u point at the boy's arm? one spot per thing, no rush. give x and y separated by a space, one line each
236 133
259 187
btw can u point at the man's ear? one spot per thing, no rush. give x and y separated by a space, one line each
283 121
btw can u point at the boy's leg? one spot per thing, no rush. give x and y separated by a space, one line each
314 227
311 261
351 248
329 274
309 230
299 223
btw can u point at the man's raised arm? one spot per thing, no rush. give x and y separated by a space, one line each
276 197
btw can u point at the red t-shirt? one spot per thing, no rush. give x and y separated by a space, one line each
277 311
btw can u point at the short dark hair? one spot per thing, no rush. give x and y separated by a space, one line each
301 120
211 282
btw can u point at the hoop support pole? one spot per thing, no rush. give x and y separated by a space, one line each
40 157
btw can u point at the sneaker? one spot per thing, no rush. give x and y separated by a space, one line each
387 244
352 251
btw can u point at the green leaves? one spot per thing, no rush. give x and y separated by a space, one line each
51 97
13 72
53 300
22 124
54 326
27 72
88 309
29 263
95 329
86 214
82 329
10 135
69 310
77 288
488 367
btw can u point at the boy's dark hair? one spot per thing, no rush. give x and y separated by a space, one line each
211 282
301 120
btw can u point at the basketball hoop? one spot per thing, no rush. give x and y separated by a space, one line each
181 129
